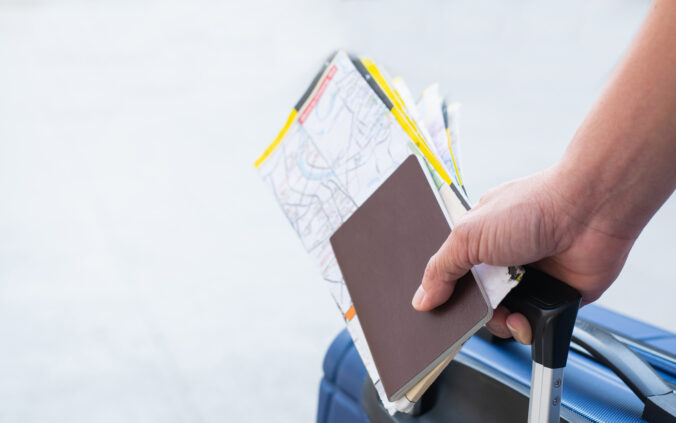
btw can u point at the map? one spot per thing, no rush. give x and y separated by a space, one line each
344 143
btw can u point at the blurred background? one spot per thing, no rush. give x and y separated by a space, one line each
146 274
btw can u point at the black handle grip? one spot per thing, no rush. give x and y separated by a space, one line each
658 397
551 308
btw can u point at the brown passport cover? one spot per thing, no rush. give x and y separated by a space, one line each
382 251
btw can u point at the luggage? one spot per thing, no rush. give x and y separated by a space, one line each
490 379
340 388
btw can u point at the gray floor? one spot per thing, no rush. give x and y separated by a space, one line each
145 272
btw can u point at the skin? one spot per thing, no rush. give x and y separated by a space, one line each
579 219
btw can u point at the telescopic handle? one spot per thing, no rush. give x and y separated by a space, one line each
551 308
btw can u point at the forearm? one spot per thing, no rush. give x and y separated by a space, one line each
621 165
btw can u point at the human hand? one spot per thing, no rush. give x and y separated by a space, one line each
534 220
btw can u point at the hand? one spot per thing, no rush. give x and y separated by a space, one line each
531 220
578 220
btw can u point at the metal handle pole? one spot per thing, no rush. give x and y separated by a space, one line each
545 394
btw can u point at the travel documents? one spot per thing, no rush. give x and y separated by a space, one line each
382 250
357 154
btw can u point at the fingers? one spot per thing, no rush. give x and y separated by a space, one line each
504 324
442 271
436 287
520 328
497 324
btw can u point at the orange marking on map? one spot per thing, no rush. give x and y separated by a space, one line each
350 313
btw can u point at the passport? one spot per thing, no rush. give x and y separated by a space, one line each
382 250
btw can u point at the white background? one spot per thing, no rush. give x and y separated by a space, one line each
146 274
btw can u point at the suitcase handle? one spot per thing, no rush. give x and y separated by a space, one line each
658 397
551 308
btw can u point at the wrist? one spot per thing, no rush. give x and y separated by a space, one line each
593 197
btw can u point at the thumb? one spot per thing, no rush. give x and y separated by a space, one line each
445 267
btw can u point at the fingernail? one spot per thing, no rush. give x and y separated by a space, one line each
515 333
418 297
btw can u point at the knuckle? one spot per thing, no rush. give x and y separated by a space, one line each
435 274
490 194
461 230
461 244
433 268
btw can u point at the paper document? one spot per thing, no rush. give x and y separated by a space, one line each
345 136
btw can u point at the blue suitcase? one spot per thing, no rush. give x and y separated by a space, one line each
490 379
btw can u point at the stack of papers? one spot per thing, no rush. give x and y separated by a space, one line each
347 134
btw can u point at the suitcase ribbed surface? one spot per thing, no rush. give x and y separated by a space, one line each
590 389
340 388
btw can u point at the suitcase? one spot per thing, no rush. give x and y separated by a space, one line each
615 366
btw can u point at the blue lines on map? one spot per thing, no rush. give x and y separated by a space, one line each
312 173
321 113
374 181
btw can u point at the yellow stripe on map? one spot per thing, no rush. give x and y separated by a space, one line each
398 110
455 166
277 140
